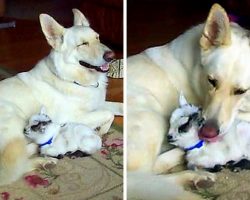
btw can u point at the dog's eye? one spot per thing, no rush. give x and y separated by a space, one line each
239 91
97 38
212 81
83 44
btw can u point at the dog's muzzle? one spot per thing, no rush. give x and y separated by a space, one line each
108 56
209 130
103 68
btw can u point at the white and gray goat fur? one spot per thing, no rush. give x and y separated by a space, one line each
55 139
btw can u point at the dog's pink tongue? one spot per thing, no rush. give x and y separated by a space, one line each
105 67
208 133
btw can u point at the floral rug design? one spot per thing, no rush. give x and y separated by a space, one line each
94 177
113 150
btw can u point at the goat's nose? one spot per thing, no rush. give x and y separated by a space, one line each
169 137
108 56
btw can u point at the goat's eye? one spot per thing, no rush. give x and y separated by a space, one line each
184 127
239 91
212 81
35 127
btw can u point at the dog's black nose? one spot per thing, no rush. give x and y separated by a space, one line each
109 56
169 137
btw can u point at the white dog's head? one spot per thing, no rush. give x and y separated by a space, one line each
225 56
185 123
77 49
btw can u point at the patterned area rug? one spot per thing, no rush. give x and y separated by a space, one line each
97 177
116 69
228 186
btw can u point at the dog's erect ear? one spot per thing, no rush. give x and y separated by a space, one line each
52 30
182 100
217 29
79 18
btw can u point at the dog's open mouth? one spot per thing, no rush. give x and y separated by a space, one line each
103 68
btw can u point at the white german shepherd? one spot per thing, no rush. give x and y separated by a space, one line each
210 63
70 82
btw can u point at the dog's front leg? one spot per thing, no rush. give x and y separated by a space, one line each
115 107
168 160
185 177
100 120
38 162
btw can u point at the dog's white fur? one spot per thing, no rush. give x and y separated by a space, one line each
67 89
155 77
233 146
68 137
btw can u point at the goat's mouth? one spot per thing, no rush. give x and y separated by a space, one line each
103 68
171 139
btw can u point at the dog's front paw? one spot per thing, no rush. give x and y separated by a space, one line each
204 179
49 163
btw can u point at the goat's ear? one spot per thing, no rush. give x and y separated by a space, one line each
217 29
79 18
52 30
43 110
182 100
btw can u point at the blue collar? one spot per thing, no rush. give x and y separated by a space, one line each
196 146
48 142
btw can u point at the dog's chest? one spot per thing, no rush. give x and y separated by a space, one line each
65 96
86 98
64 107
